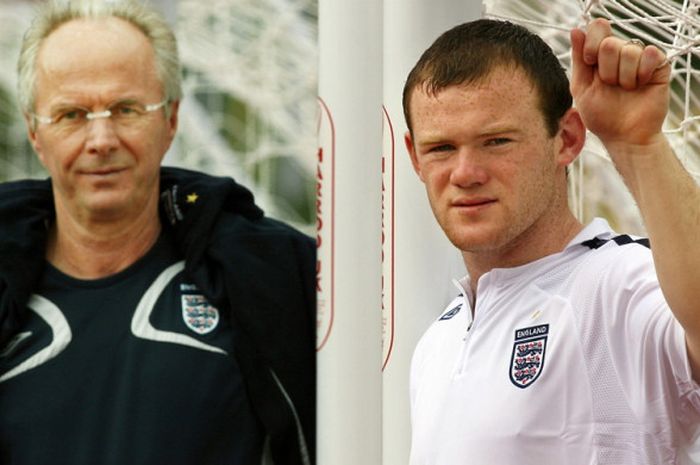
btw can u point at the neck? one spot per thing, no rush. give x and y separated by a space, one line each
93 250
540 240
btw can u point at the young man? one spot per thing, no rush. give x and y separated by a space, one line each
567 344
147 315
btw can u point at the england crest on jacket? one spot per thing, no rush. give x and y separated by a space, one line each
527 359
198 314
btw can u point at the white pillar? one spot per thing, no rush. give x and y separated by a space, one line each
349 258
419 262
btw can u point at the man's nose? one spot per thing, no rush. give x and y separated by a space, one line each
468 169
101 134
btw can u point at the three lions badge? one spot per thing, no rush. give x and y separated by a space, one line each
527 359
198 314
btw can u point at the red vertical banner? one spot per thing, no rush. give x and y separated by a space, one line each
388 238
325 226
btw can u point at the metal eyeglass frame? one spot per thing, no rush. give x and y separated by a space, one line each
93 115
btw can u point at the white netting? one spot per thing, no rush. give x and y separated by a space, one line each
672 25
251 92
16 159
250 86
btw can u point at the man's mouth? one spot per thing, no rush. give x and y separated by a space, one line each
473 203
102 172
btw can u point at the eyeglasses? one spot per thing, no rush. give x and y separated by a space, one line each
124 114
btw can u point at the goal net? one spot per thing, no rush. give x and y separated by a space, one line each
673 26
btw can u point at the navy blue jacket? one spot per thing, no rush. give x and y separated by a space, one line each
259 268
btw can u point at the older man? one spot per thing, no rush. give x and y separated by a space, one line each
148 315
567 344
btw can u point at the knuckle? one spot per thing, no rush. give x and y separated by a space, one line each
609 45
631 53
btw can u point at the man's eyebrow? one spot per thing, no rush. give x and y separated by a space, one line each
433 140
497 129
64 104
480 134
124 100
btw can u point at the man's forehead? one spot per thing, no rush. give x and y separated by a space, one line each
502 88
85 61
80 41
499 75
497 103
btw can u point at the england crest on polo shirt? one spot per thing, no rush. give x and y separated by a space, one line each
527 360
198 314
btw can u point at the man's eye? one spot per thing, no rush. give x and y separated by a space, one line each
498 141
126 110
74 114
441 148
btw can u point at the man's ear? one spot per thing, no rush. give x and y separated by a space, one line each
174 117
33 138
410 148
572 137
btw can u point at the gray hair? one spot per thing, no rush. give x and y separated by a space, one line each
54 13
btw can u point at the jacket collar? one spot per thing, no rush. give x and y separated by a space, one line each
191 203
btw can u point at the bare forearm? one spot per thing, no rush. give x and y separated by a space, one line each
669 201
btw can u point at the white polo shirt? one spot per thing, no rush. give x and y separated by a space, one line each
572 359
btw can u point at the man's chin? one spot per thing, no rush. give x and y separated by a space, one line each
477 241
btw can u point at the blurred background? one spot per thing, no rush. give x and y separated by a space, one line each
249 107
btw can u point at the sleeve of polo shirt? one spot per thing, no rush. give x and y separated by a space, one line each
647 344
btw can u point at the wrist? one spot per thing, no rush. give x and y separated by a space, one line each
642 151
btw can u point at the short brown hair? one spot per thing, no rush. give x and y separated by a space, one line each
469 52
